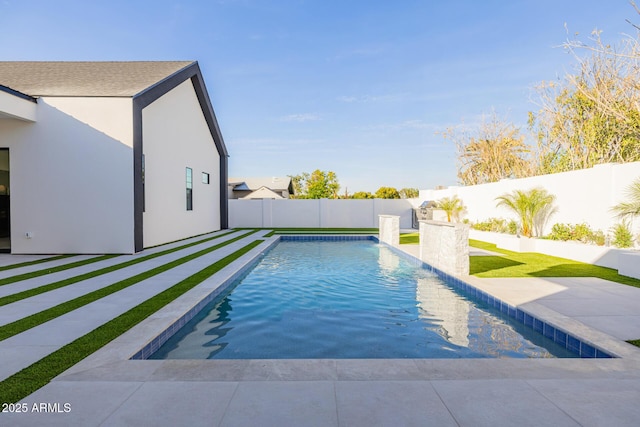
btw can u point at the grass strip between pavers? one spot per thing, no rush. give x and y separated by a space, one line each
31 378
38 273
21 325
91 274
34 262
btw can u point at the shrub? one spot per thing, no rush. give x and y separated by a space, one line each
578 232
560 232
497 225
622 236
598 238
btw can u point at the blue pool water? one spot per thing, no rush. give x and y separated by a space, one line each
351 299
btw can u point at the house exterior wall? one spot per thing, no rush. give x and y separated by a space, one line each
71 177
16 107
176 136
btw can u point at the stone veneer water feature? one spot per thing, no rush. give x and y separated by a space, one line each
445 245
389 229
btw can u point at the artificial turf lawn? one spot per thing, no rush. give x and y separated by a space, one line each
410 239
530 264
33 377
21 325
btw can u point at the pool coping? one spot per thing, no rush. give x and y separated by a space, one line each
563 335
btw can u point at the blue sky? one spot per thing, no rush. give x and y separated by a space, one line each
361 88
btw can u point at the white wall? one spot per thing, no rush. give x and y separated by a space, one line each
317 213
176 136
582 196
12 106
71 177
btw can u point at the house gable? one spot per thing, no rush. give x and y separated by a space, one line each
145 98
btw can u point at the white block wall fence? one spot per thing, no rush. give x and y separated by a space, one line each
581 196
318 213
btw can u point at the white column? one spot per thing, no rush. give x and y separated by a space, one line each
389 229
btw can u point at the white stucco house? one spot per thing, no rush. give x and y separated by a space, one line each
107 157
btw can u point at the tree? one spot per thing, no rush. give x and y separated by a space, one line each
409 193
495 151
316 185
593 115
452 206
533 208
387 193
362 195
630 209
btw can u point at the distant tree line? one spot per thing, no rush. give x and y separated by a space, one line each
324 185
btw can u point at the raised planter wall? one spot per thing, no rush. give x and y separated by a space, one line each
630 265
445 245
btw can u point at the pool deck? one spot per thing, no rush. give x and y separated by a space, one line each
108 389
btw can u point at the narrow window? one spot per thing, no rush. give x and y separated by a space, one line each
205 178
143 193
189 189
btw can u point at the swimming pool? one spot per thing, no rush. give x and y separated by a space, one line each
349 299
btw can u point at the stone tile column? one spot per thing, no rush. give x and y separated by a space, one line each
389 229
445 245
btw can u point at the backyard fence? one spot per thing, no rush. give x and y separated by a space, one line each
582 196
318 213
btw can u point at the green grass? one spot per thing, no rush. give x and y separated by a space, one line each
410 239
529 264
21 325
71 280
634 342
38 261
38 273
28 380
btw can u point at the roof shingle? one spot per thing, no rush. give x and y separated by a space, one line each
104 79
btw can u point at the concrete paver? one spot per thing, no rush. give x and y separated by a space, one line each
491 403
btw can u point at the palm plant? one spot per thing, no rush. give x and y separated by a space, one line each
452 206
630 209
533 208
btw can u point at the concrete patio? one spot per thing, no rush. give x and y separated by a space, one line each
108 389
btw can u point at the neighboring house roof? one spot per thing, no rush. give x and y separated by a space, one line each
103 79
275 183
263 193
